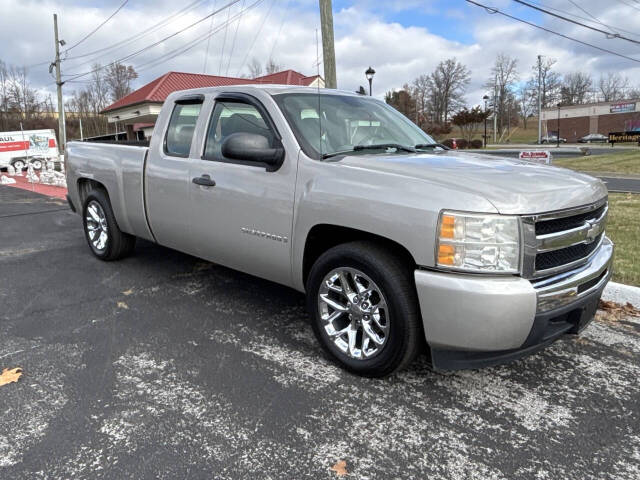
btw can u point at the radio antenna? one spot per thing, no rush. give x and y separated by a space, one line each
318 83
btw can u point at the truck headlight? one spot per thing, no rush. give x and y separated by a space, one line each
478 243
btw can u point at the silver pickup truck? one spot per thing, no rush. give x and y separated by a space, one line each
401 245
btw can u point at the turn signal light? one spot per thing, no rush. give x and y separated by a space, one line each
447 226
445 254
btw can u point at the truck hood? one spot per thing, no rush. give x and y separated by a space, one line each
512 186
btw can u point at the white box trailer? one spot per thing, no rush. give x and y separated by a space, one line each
34 146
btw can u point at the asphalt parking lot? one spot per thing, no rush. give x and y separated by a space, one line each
165 366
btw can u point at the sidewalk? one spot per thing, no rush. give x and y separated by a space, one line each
49 190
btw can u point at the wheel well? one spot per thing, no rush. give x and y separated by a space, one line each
323 237
85 186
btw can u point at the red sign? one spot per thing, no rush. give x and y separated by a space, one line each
14 146
52 143
539 156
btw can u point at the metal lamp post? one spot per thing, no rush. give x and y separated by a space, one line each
485 98
558 137
369 74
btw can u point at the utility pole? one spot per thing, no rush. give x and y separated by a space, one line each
495 110
539 99
59 83
328 49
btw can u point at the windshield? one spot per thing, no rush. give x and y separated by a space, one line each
327 125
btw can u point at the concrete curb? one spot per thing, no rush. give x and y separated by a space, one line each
620 293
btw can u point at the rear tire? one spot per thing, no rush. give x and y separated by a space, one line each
386 322
19 165
105 239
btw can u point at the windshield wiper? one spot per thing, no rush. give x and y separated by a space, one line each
359 148
380 146
431 145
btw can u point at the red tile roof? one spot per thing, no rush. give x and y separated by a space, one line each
159 89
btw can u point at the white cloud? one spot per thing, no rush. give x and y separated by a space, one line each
364 37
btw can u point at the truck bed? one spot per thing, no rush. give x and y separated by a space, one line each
120 168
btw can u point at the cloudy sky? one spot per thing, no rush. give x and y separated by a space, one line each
400 39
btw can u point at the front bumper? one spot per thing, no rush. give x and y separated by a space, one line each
474 321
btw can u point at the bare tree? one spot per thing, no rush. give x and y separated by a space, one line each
575 88
86 104
613 86
504 76
22 97
4 96
420 92
550 82
524 102
255 68
272 67
446 86
118 77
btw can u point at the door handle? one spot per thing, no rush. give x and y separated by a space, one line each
204 180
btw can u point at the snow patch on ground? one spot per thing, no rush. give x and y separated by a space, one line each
290 368
29 405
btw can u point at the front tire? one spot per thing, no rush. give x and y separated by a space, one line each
106 240
364 308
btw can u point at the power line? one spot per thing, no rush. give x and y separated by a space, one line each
224 41
184 48
170 19
138 52
133 38
575 22
255 38
577 5
233 44
629 5
98 27
493 10
285 15
206 53
617 29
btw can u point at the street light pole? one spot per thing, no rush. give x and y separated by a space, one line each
369 74
485 98
558 137
540 101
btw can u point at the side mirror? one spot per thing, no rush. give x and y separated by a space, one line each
252 147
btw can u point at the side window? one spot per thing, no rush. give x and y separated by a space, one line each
181 127
233 117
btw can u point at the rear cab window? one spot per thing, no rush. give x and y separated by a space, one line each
182 125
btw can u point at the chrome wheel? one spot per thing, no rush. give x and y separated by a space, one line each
97 228
37 164
354 313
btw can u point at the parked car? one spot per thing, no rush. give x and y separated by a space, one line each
394 240
594 137
20 148
553 139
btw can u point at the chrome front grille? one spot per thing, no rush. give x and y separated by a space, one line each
559 241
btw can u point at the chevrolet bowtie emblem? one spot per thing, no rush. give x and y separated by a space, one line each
593 231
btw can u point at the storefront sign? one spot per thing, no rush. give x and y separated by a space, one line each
623 107
615 137
537 156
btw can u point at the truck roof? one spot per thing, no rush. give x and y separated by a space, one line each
270 89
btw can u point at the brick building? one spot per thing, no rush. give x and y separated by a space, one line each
603 117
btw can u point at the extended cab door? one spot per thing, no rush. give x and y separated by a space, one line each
244 221
168 181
